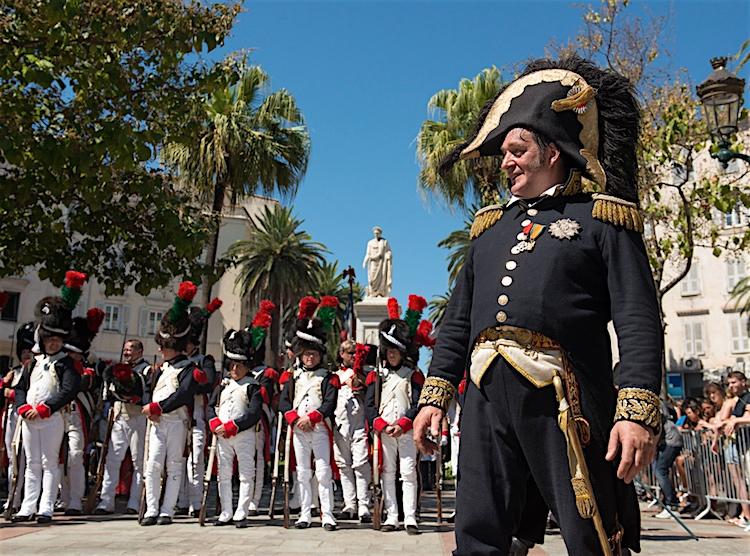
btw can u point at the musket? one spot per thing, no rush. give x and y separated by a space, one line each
287 455
377 489
91 499
276 461
207 480
439 476
16 446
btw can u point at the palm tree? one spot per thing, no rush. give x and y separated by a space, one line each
457 243
437 306
279 262
457 111
329 280
249 141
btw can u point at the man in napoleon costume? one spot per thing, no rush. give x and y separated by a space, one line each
545 273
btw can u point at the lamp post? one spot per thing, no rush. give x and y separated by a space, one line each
721 98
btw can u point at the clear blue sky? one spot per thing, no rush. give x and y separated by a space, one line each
363 72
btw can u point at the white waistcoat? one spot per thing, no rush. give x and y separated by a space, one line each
349 407
167 385
308 390
395 395
233 402
44 382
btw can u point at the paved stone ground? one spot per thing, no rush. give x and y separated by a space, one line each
120 535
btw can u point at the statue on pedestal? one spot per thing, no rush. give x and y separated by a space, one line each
379 264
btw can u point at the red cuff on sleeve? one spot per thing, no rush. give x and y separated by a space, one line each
12 396
379 424
405 423
444 432
43 410
315 417
5 383
200 376
24 409
88 371
213 423
154 408
264 395
335 381
231 428
291 416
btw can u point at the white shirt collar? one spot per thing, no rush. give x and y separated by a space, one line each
551 192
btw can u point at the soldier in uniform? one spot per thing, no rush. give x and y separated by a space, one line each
191 492
126 388
308 399
78 414
544 275
24 344
268 380
234 409
44 390
177 383
391 418
350 436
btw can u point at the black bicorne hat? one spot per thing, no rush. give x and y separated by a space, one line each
591 114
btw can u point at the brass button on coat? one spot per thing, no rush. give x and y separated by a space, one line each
532 212
511 265
501 316
502 300
506 281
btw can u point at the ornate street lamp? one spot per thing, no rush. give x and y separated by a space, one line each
721 97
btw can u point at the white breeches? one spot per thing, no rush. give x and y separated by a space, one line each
9 432
128 431
191 491
308 445
242 445
73 485
41 446
166 445
259 461
350 452
399 452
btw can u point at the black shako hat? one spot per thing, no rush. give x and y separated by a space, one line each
238 345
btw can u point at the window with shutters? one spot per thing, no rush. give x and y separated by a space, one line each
691 283
735 217
735 273
740 339
115 317
150 319
694 339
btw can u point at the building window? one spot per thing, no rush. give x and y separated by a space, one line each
115 317
694 343
691 283
735 273
10 311
736 217
740 339
150 319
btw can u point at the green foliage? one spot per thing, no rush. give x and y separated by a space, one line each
438 305
278 262
89 94
455 112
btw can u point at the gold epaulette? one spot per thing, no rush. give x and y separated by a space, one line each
484 219
619 212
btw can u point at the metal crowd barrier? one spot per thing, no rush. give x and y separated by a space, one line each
717 468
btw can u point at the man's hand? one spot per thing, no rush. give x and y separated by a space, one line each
729 425
428 420
31 414
219 431
637 447
304 424
394 431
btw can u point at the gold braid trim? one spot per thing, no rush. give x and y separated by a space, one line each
484 219
639 405
619 212
577 101
437 392
584 503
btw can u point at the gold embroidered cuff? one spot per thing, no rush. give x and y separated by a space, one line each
639 405
437 392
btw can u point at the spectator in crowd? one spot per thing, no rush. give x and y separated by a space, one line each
735 412
716 394
670 446
691 409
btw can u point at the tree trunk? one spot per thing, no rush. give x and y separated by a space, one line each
276 329
213 246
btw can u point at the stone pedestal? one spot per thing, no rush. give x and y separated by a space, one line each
370 312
